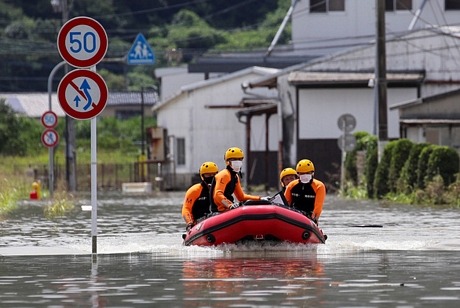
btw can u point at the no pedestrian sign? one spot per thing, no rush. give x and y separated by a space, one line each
82 94
82 42
50 137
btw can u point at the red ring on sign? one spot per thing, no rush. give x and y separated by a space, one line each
65 82
49 112
52 131
78 21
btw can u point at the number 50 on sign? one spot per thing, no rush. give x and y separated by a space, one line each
82 42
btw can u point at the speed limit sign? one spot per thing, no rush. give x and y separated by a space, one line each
82 42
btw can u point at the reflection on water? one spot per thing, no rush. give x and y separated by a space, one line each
260 279
411 261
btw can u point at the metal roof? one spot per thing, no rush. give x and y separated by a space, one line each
302 78
35 104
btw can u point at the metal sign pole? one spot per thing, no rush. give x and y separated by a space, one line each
94 181
51 150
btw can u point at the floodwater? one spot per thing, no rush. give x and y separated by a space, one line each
376 255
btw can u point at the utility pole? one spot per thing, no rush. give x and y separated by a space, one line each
70 131
380 76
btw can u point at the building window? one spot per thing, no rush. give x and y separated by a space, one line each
324 6
398 5
452 5
180 143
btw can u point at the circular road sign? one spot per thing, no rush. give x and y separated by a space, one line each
49 119
82 94
347 142
50 137
346 122
82 42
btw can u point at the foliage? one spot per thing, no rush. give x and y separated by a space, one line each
422 165
371 163
408 179
29 29
12 143
443 161
381 187
399 155
62 204
11 191
351 172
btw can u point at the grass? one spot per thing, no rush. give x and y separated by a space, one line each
16 185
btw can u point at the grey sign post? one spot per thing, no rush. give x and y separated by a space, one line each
346 141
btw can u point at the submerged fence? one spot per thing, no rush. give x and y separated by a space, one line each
110 177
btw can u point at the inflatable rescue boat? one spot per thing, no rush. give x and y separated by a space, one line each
255 221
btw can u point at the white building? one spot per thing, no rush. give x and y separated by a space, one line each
311 96
322 27
201 122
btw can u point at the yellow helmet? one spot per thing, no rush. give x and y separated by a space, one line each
208 167
236 153
305 165
287 171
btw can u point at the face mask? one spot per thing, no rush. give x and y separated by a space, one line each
236 165
208 180
305 178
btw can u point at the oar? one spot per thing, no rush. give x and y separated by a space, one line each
367 226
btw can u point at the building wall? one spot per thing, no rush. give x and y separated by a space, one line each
209 132
311 32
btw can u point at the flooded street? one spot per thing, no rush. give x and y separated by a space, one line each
376 255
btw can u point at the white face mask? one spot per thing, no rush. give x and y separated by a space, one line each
305 178
236 165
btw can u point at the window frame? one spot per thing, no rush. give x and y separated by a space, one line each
326 5
180 150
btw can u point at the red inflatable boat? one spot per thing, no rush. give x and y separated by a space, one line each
255 221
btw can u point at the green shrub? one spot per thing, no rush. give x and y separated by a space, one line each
408 177
351 172
399 155
371 163
422 165
381 187
443 161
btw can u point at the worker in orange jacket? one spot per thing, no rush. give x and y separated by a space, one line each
227 183
196 202
306 194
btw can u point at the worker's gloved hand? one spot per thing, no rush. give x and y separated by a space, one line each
234 205
269 199
189 226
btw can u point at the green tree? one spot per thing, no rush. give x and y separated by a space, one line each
443 161
370 168
188 30
401 151
12 143
381 187
408 179
423 164
351 171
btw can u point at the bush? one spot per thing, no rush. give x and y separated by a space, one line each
443 161
351 173
408 177
371 163
381 187
399 155
422 165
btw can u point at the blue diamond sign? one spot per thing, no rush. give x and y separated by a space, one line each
140 52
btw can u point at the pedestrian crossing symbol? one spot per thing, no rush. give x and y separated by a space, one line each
140 52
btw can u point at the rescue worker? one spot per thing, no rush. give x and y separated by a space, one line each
227 183
287 175
306 194
196 202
